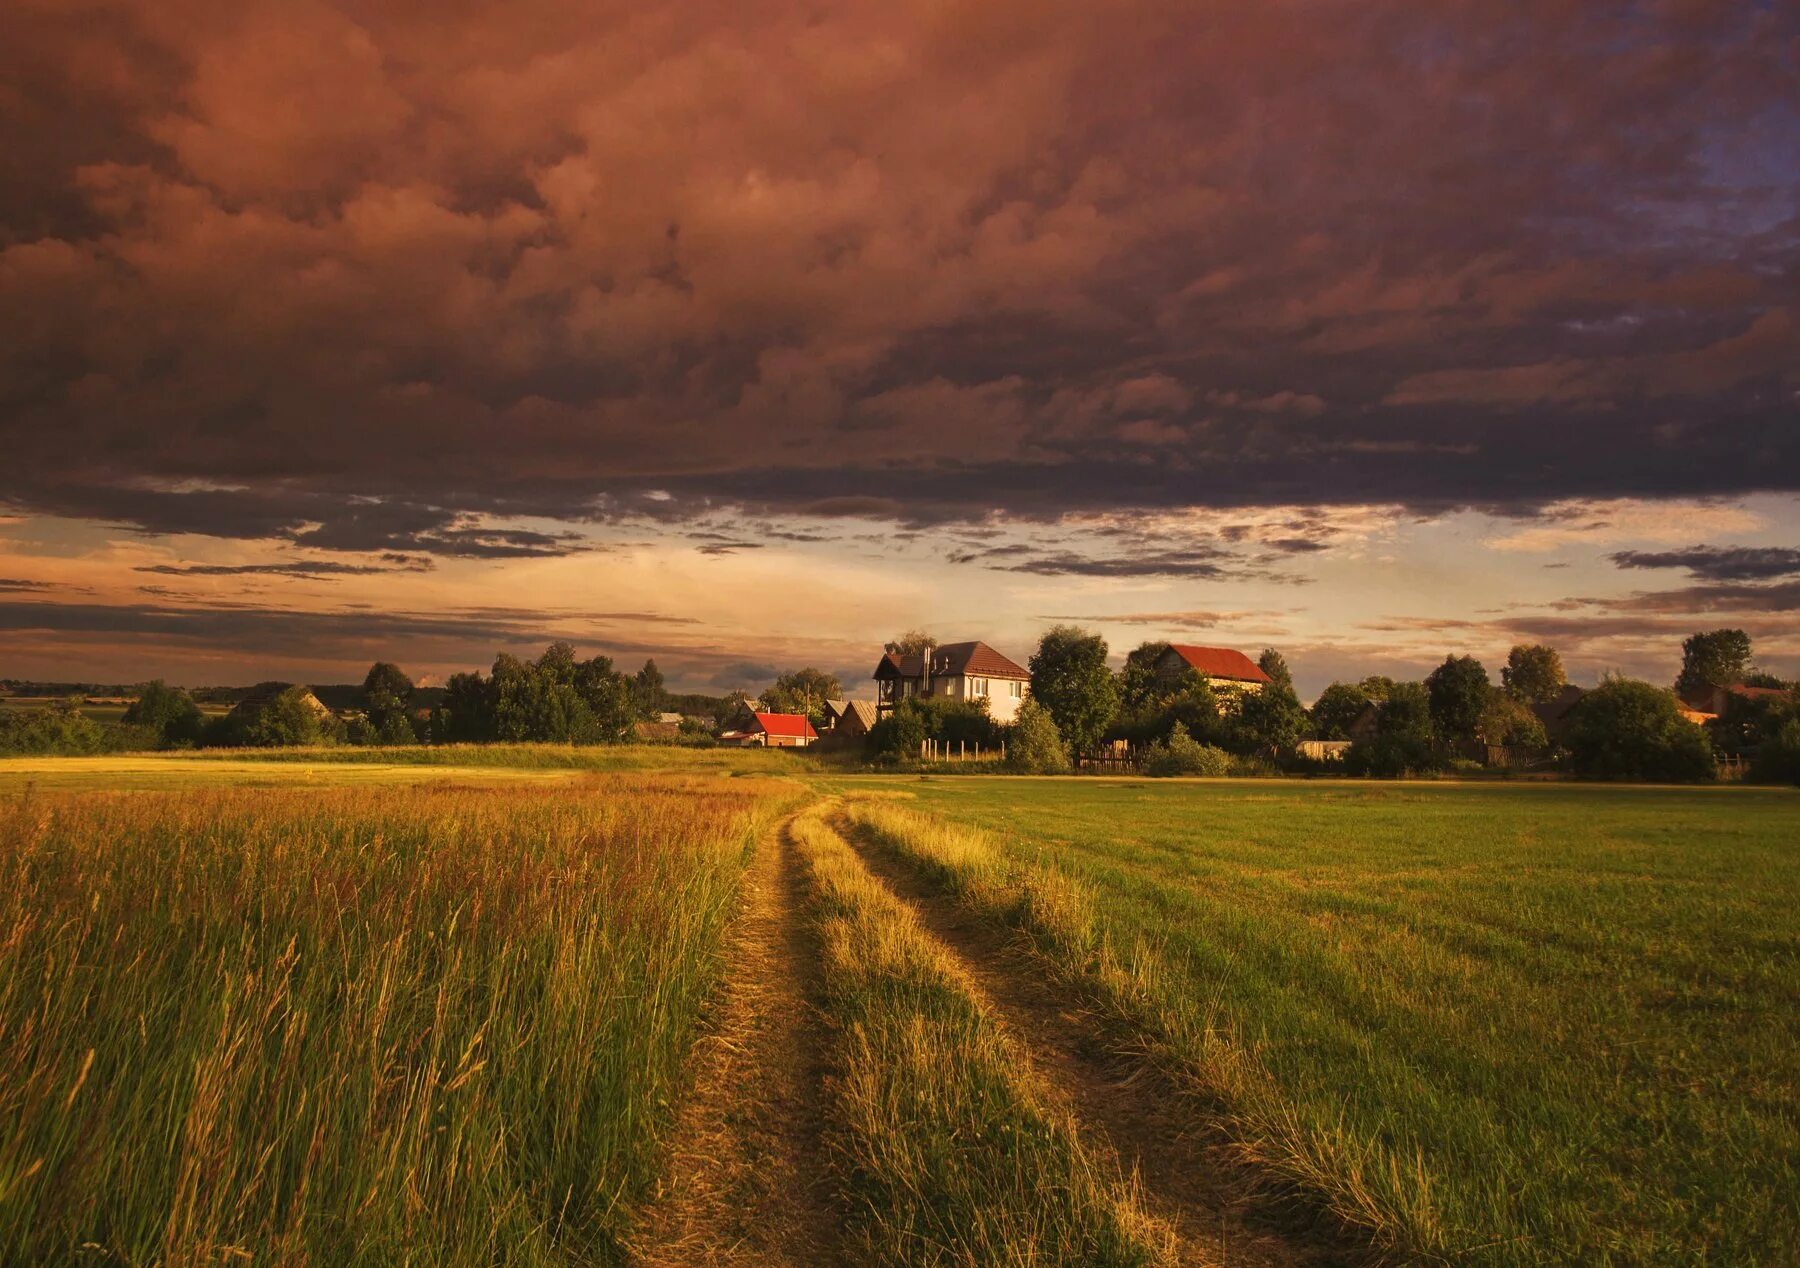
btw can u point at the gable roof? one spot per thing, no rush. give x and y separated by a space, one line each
948 660
862 710
1219 662
1556 708
789 724
264 694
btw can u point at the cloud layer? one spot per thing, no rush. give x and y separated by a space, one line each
429 278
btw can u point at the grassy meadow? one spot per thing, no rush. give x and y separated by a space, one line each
1500 1025
949 1152
355 1024
441 1006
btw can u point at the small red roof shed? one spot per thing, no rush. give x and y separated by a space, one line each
793 726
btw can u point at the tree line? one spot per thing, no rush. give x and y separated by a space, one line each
1077 706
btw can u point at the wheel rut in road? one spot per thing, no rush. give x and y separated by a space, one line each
747 1181
1125 1108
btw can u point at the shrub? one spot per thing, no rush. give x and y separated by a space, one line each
167 712
60 728
1182 754
1778 761
898 736
1625 729
1035 746
1392 756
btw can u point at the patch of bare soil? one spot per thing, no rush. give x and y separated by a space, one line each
747 1180
1126 1108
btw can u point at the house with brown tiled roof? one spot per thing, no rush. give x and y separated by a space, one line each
1222 667
958 671
849 717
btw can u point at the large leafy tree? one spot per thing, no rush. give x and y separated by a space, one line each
1459 690
1403 738
1533 673
168 711
292 719
912 643
1337 707
1138 685
1378 686
467 713
387 702
648 691
802 691
1717 658
1272 720
1625 729
1275 665
1070 679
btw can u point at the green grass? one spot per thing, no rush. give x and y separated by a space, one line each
948 1152
352 1025
1509 1025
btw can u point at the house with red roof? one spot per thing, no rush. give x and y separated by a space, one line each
774 730
960 671
1222 667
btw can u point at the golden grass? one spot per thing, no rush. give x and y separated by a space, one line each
352 1025
949 1151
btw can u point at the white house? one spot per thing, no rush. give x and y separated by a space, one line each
959 671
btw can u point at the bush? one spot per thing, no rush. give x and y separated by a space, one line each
1778 761
1625 729
1182 754
167 712
1392 756
898 736
62 730
1035 746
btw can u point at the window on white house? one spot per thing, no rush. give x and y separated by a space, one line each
1018 689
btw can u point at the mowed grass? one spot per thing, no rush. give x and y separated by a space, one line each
353 1025
1509 1025
947 1149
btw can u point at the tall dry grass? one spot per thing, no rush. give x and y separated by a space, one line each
949 1151
352 1026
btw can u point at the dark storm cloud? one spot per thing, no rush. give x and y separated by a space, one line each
321 569
254 629
1782 596
18 585
348 275
1202 563
1718 563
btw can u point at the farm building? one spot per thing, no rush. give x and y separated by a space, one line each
1709 702
849 717
957 671
1222 667
1554 714
263 696
1366 725
773 730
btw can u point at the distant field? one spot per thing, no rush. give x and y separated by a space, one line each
98 710
476 763
1497 1024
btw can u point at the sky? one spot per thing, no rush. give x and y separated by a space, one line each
745 337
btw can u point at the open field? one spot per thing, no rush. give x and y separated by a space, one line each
352 1024
414 1003
1509 1025
477 763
